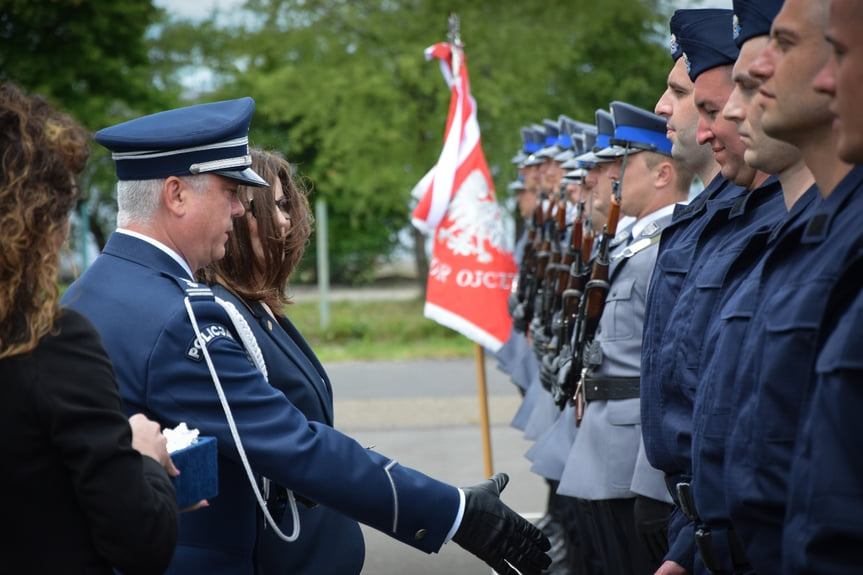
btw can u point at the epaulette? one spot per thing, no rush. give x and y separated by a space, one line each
192 289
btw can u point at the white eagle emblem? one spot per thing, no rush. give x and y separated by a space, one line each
475 221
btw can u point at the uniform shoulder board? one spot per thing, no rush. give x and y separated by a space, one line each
651 229
193 289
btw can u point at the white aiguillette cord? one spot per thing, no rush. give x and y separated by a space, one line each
251 345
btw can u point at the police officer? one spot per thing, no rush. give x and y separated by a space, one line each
602 466
732 287
173 346
801 268
823 532
702 45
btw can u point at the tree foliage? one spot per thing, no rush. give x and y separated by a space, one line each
342 87
90 58
344 92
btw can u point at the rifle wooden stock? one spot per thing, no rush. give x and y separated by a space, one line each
593 301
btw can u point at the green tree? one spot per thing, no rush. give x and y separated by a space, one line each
90 58
344 92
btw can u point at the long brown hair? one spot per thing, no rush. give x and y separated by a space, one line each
240 270
42 149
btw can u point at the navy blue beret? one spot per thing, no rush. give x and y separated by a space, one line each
703 39
753 18
206 138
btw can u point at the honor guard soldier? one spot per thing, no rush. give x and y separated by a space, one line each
177 357
701 46
604 468
823 532
802 268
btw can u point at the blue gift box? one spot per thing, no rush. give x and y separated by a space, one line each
199 472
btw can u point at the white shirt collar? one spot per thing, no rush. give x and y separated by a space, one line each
156 243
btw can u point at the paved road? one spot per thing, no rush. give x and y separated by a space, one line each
425 414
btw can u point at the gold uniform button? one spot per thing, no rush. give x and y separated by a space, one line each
421 534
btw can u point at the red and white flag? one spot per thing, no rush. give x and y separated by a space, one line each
472 268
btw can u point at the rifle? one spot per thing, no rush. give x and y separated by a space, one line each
596 290
557 267
543 254
527 271
570 287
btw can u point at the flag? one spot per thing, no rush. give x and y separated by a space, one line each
472 267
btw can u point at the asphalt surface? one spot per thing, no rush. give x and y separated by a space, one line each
425 414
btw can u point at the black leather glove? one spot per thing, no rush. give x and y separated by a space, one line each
498 535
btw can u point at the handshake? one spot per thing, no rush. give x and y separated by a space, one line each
498 535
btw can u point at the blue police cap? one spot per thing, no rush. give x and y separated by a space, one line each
552 134
604 132
582 141
703 39
753 18
526 141
538 132
515 186
203 139
636 130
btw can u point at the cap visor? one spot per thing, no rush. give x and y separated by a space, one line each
248 177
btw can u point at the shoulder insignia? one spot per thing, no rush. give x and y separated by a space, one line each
209 333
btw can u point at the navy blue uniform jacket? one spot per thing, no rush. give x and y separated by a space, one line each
329 542
134 294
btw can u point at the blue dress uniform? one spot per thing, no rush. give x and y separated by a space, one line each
136 294
823 531
294 370
776 371
606 461
161 373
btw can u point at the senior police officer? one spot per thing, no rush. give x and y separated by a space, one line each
666 409
718 545
823 532
603 464
801 269
179 171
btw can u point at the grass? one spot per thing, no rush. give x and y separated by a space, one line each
370 330
375 330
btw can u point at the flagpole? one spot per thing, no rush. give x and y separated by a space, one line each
454 37
482 396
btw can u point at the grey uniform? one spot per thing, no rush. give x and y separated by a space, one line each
607 457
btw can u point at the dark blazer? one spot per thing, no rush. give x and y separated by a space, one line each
134 294
329 542
76 498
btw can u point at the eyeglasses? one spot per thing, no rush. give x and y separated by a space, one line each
281 204
284 207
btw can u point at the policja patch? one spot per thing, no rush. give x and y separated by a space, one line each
209 334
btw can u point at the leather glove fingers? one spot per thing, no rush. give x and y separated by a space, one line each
497 534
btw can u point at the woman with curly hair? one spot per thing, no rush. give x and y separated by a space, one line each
84 489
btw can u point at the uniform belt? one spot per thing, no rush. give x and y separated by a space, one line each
611 388
671 481
686 501
721 550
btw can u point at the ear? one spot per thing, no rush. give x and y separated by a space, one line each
174 195
663 175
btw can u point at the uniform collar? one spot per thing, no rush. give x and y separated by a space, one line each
157 244
820 223
756 197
